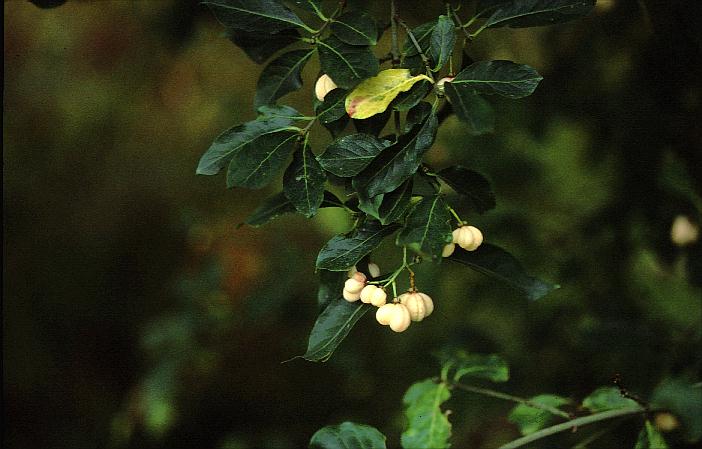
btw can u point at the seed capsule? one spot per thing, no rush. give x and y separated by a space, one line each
385 313
351 297
367 293
323 86
373 270
400 320
463 237
418 304
448 249
477 238
683 232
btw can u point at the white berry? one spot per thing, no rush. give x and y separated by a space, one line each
468 237
323 86
418 304
372 294
385 313
401 319
351 297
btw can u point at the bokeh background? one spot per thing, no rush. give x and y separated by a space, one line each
136 314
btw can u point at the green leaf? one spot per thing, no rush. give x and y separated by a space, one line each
410 56
281 76
499 77
428 426
355 28
684 400
417 115
258 162
314 6
331 113
233 140
279 204
374 95
394 204
350 154
346 64
303 182
348 435
607 398
407 100
427 229
530 419
491 367
530 13
397 163
255 15
443 37
331 285
373 125
285 114
331 327
260 46
342 252
650 438
471 108
498 263
471 185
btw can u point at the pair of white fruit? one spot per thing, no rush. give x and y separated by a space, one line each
467 237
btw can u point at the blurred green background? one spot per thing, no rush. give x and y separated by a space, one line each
136 314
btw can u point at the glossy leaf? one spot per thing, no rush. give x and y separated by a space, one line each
417 115
348 435
428 426
372 125
303 183
233 140
374 95
650 438
499 77
331 113
684 400
258 162
529 13
427 229
350 154
394 205
285 114
443 38
331 327
530 419
254 15
331 286
471 108
346 64
281 76
355 28
482 366
410 55
607 398
397 163
342 252
496 262
279 204
471 185
259 46
407 100
314 6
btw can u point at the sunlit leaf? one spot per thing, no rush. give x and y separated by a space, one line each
348 435
427 229
342 252
374 95
529 13
428 426
281 76
530 419
499 77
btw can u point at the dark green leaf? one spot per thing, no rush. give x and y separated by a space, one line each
428 426
285 114
259 161
346 64
607 398
442 40
370 206
281 76
417 115
342 252
684 400
530 419
397 163
498 263
427 229
279 204
233 140
348 435
407 100
331 286
355 28
331 113
394 204
350 154
491 367
303 182
422 34
499 77
471 108
331 327
530 13
254 15
650 438
471 185
314 6
261 46
372 125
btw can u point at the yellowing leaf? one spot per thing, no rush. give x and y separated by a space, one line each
374 95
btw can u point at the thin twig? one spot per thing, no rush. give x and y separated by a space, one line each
509 397
418 47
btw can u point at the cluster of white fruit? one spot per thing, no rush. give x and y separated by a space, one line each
467 237
408 307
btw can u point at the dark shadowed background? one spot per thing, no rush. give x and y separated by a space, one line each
136 314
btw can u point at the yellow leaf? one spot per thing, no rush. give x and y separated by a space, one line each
374 95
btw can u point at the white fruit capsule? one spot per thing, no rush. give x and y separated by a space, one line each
400 320
373 270
683 231
440 84
448 250
463 237
353 286
418 304
385 313
379 297
323 86
351 297
477 238
367 293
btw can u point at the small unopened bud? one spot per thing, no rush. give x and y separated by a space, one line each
373 270
684 232
323 86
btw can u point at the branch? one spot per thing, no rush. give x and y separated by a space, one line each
509 397
574 423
